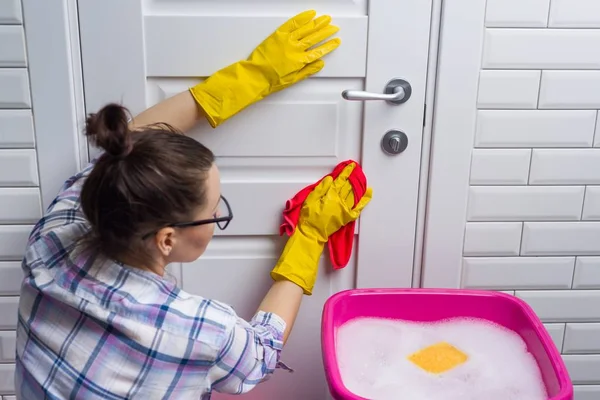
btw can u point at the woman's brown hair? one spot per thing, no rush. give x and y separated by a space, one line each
145 180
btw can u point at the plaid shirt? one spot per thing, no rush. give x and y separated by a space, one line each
91 328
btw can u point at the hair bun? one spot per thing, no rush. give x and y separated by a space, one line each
109 129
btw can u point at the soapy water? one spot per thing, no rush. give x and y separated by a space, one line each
373 360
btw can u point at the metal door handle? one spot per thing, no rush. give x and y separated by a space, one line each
397 91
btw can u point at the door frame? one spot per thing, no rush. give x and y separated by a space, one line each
454 123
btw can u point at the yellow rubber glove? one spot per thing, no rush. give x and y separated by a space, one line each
282 59
326 209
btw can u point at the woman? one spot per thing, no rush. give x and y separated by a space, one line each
97 317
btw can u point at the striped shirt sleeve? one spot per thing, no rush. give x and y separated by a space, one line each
250 354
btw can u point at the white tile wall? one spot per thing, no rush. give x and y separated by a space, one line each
7 346
10 12
20 204
517 13
535 128
8 310
501 273
587 273
7 373
570 90
565 167
541 49
584 369
557 332
591 205
15 88
582 338
597 135
16 129
492 238
12 275
586 392
574 14
525 203
500 166
12 43
508 89
18 167
564 305
560 238
533 215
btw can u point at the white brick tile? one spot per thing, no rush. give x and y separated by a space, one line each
7 378
591 205
518 272
525 203
586 392
16 129
597 135
565 167
570 89
564 305
12 43
587 273
575 14
517 13
15 88
492 238
7 346
508 89
535 128
583 369
561 238
18 168
541 49
8 312
10 12
582 338
557 333
20 205
13 239
500 166
12 276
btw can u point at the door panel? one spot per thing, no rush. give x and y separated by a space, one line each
276 147
179 50
258 7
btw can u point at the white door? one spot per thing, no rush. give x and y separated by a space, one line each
140 52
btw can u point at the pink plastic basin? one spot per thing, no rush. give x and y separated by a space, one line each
429 305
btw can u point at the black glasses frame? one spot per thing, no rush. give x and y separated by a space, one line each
222 222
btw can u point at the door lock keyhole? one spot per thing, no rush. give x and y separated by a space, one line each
394 142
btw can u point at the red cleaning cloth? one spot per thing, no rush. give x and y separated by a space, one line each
340 243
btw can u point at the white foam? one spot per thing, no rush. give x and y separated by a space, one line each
372 355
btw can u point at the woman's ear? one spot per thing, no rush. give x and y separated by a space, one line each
165 241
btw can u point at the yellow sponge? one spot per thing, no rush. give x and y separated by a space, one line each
438 358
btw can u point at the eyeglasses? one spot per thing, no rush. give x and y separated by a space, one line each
222 218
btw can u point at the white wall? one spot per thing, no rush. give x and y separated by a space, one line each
515 165
20 201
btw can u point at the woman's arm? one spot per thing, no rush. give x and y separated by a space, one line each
179 111
283 300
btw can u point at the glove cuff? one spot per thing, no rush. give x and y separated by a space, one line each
230 90
299 261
